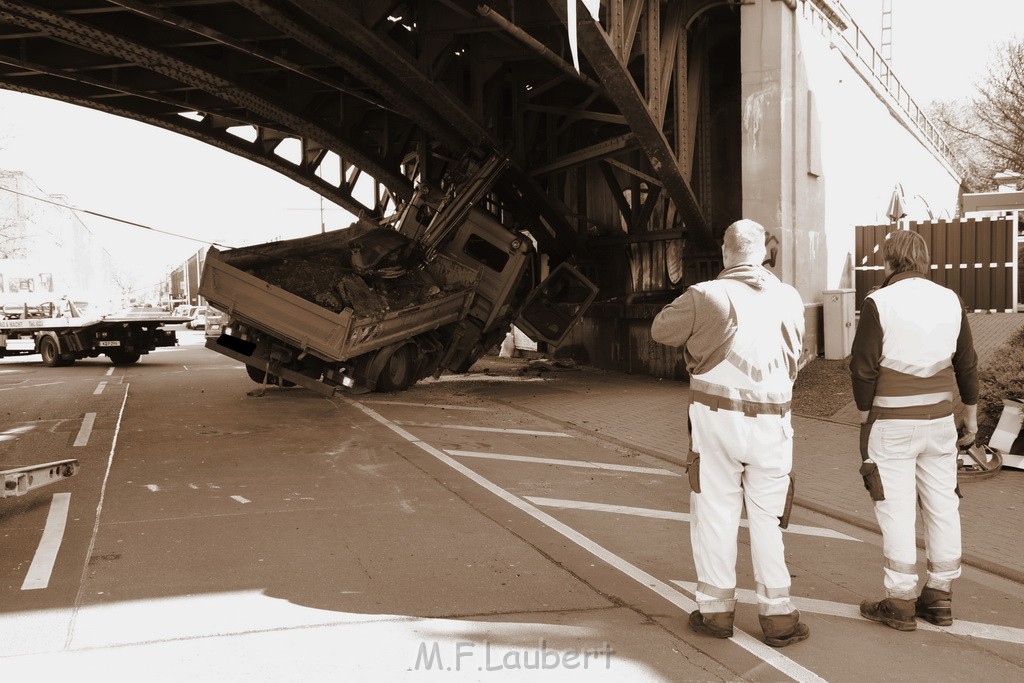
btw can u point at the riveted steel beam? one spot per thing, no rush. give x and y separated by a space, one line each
343 19
217 137
194 74
599 52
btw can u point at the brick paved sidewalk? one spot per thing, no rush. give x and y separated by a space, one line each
649 415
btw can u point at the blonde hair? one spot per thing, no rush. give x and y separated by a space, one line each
905 250
745 239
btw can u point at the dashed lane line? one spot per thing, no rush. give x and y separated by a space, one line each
99 388
86 429
764 652
39 571
1005 634
566 463
674 516
110 371
473 428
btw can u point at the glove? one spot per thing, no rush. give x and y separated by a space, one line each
966 439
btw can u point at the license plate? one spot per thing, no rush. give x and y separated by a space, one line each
108 343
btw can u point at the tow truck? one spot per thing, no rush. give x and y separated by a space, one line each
62 334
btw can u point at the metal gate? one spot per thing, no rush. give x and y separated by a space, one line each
976 258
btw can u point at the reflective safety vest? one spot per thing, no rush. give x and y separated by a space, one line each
920 323
756 375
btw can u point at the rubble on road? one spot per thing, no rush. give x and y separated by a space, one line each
328 277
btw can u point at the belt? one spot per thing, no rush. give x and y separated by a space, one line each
748 408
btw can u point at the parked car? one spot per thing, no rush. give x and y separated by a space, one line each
198 315
215 321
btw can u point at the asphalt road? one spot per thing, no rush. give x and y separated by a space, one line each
436 534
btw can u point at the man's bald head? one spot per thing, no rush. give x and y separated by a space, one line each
743 242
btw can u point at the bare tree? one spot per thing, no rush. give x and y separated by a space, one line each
987 133
954 119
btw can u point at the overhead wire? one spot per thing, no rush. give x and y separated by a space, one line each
114 218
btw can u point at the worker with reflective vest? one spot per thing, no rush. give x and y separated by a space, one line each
741 336
912 350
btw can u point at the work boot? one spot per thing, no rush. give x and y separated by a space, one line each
714 624
893 612
781 630
935 606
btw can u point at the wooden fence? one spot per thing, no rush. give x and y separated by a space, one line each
976 258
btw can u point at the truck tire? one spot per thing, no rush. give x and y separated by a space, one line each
124 357
399 372
50 352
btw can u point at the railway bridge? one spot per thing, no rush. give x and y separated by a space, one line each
636 130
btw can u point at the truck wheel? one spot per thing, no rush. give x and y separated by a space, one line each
399 372
50 352
257 375
124 357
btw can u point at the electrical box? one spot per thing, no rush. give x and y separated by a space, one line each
838 313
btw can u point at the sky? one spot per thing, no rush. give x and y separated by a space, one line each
143 174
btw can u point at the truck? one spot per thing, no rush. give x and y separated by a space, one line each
61 332
478 277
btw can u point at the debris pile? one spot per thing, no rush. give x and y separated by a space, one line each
332 278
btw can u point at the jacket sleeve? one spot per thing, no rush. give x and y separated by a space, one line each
674 324
866 354
965 364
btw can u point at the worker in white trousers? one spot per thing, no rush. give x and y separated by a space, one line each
741 336
913 348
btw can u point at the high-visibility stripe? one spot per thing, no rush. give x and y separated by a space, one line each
702 385
749 408
916 370
947 566
716 592
893 383
913 400
901 567
772 593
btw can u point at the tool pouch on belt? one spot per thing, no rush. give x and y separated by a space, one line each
693 470
784 518
872 480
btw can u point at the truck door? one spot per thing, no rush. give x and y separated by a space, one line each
555 305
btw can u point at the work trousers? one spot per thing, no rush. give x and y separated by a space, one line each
917 464
744 460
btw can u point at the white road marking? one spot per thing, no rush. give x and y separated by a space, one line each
675 516
241 500
193 487
153 487
471 428
96 524
567 463
14 432
45 384
110 372
764 652
1005 634
86 430
39 571
100 388
441 406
